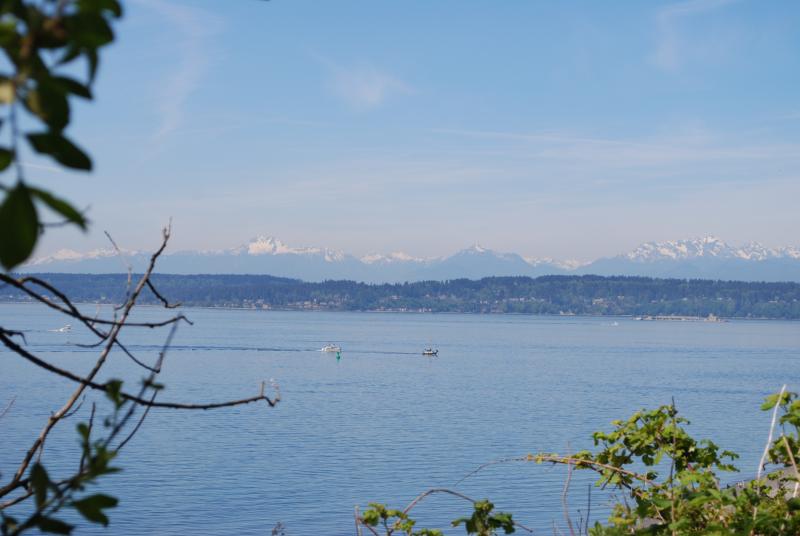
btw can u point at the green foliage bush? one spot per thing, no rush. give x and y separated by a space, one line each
670 482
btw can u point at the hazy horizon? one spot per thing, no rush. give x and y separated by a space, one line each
65 253
564 131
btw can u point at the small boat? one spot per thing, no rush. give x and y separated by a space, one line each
64 329
331 348
430 352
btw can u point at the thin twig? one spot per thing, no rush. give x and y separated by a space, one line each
794 466
138 424
432 491
158 295
564 503
148 383
771 429
86 382
488 464
58 415
70 310
8 406
88 439
75 409
672 470
357 520
135 359
567 460
125 261
588 507
369 527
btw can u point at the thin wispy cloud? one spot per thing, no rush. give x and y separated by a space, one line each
362 87
631 167
191 31
672 47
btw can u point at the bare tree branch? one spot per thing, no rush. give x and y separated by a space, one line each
8 407
565 460
432 491
108 338
90 426
72 311
125 262
87 382
158 295
58 415
564 498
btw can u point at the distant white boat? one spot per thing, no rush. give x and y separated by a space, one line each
330 348
430 352
63 329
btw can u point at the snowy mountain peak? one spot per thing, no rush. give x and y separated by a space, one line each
70 255
568 265
790 252
705 247
267 246
395 256
679 249
476 248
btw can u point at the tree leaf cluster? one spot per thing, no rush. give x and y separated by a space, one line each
42 40
483 521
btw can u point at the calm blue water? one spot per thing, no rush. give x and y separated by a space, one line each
385 423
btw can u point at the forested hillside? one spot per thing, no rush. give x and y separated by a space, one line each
580 295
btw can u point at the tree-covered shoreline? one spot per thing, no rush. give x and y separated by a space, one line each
547 295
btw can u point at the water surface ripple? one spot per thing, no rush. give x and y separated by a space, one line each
385 423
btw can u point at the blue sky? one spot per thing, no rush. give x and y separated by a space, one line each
561 129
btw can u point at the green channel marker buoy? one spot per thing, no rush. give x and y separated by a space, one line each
338 356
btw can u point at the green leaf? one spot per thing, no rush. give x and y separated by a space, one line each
6 157
60 206
84 431
98 463
73 86
113 390
61 149
371 517
70 54
19 227
102 5
55 526
94 61
39 482
89 30
49 103
92 507
769 402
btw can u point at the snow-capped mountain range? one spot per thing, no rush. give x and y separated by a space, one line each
708 257
708 246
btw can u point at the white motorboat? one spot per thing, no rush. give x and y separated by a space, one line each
430 352
330 348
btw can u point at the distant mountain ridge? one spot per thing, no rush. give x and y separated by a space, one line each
708 246
707 258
